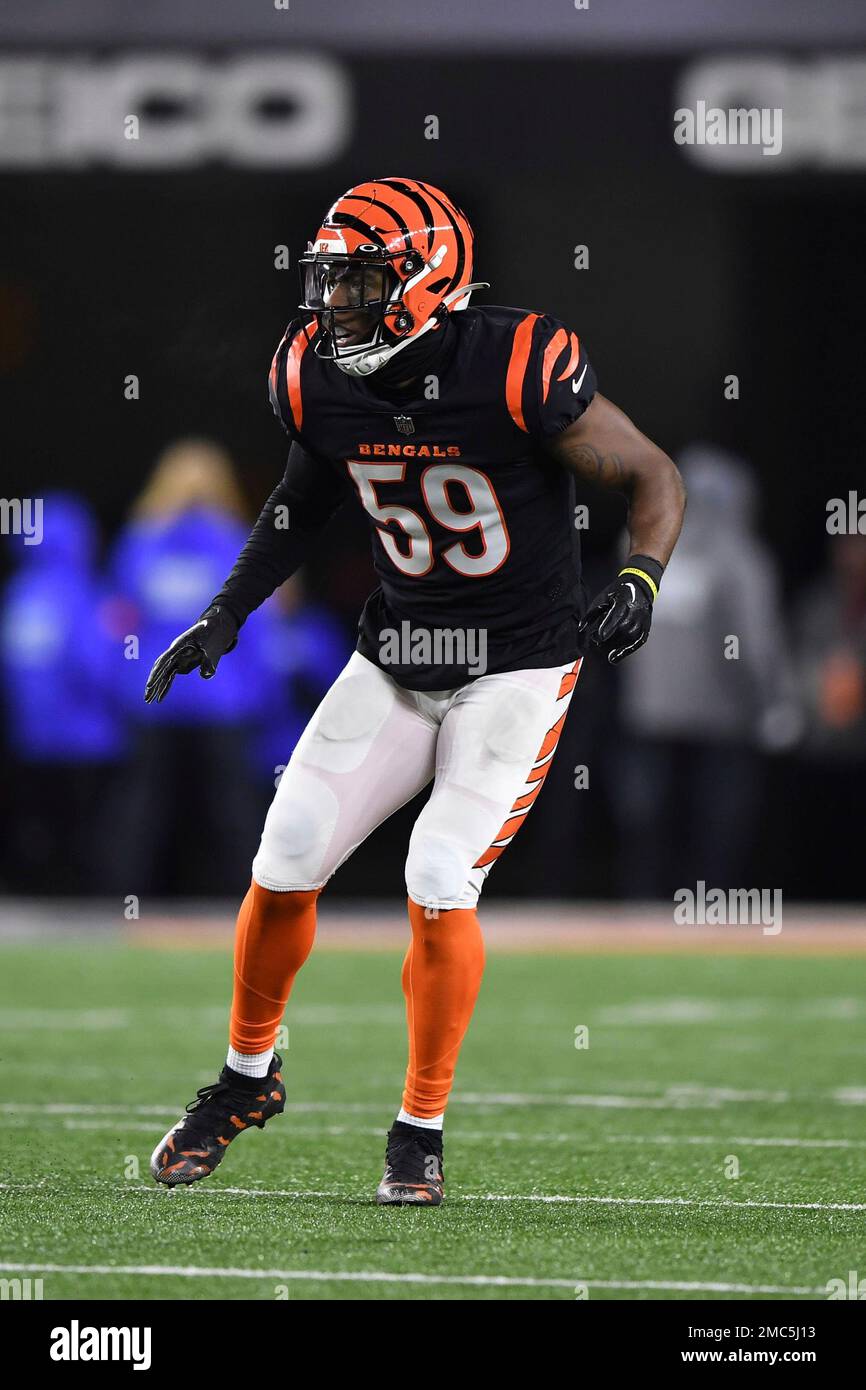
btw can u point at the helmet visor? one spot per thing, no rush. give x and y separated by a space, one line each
340 282
350 296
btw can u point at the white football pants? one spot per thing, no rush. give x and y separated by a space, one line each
372 745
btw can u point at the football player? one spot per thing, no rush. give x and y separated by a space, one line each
459 430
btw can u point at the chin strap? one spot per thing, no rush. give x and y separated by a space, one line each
365 363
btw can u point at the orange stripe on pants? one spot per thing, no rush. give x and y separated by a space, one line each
534 780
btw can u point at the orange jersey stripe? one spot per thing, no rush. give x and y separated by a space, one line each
551 352
300 343
517 370
272 375
573 359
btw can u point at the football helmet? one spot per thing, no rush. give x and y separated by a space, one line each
391 257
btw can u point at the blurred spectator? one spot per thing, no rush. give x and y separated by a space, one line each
63 725
305 649
712 687
830 639
831 656
188 814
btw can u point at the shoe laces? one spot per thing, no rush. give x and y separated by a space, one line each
412 1151
229 1095
219 1089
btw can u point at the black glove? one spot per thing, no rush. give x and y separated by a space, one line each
618 620
199 648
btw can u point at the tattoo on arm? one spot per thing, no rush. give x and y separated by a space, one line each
603 447
607 469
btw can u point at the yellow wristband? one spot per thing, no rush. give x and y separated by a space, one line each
642 574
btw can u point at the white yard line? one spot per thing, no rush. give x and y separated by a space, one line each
637 1013
296 1132
172 1108
306 1015
669 1202
675 1098
746 1142
74 1020
487 1136
567 1199
682 1096
692 1011
197 1192
71 1108
384 1277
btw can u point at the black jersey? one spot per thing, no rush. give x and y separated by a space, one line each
472 522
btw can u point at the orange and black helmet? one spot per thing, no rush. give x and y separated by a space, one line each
390 257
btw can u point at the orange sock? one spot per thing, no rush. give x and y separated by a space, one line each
441 978
273 938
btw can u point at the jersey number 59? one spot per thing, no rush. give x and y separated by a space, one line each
483 515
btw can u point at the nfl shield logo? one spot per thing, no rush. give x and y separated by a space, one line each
404 424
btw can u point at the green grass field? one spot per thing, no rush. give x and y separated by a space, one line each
606 1166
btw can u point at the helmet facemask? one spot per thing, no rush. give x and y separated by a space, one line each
357 302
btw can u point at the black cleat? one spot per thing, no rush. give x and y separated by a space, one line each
196 1144
414 1170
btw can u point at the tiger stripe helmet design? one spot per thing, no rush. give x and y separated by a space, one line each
390 258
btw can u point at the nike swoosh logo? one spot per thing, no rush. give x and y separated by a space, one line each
576 385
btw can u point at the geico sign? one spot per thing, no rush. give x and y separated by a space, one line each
822 121
164 110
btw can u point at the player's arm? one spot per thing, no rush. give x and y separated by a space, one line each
279 543
604 447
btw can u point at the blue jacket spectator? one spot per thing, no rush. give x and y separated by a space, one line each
172 557
305 650
188 813
56 647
